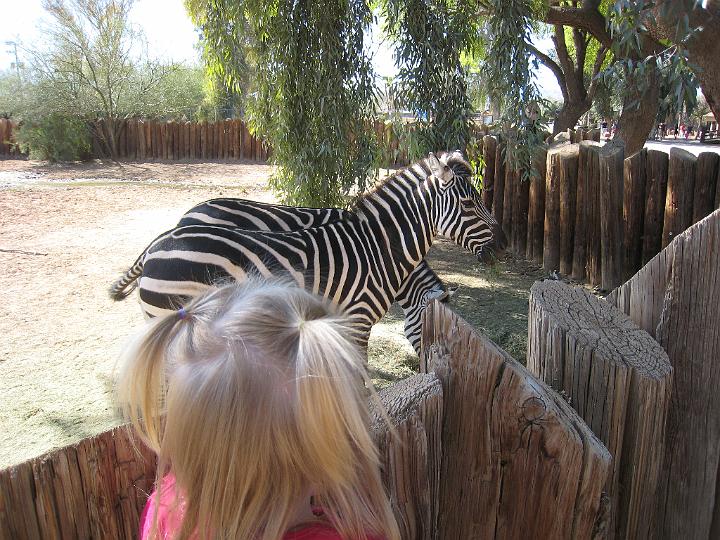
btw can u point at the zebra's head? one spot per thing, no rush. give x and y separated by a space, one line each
460 212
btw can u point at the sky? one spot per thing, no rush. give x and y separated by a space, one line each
171 36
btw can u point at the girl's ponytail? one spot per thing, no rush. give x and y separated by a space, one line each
142 380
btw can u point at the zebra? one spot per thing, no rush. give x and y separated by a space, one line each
421 286
358 263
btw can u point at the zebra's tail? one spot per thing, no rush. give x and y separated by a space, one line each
122 288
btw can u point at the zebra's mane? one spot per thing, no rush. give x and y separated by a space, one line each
454 159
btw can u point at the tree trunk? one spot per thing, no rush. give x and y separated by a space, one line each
639 113
569 115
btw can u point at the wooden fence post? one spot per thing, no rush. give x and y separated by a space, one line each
517 460
561 174
489 151
511 178
676 299
499 188
612 156
655 190
618 379
635 168
583 208
412 459
248 143
593 269
520 214
536 210
680 192
568 199
705 179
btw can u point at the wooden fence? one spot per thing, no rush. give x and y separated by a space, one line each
223 140
485 451
595 215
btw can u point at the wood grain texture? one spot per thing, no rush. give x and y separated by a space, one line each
499 190
413 457
536 210
612 156
680 193
676 298
618 378
511 178
568 205
518 462
656 172
706 172
520 214
489 152
560 172
635 169
593 269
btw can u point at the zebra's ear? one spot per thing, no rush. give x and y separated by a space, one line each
435 166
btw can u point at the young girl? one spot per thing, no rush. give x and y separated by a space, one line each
252 398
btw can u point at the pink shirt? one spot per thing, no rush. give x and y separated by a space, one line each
170 521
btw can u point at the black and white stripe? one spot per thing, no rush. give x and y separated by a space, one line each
359 262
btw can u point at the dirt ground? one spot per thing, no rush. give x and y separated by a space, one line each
68 231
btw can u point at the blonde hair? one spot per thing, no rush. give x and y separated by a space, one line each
250 395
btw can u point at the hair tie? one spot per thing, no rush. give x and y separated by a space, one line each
182 314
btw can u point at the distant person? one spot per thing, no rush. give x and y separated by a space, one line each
252 397
661 130
677 129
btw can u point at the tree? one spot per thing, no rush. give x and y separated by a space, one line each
313 96
430 37
95 65
576 70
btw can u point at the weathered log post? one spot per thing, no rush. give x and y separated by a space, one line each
655 189
612 156
568 198
617 378
581 213
561 172
706 173
517 460
521 200
635 168
499 189
676 298
511 178
489 152
593 268
536 209
680 193
412 457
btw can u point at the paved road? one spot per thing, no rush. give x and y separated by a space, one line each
693 147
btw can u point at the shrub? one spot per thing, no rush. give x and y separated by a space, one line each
55 137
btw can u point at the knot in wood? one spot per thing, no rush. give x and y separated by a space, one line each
533 409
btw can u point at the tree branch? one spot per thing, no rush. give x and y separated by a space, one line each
587 18
552 65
